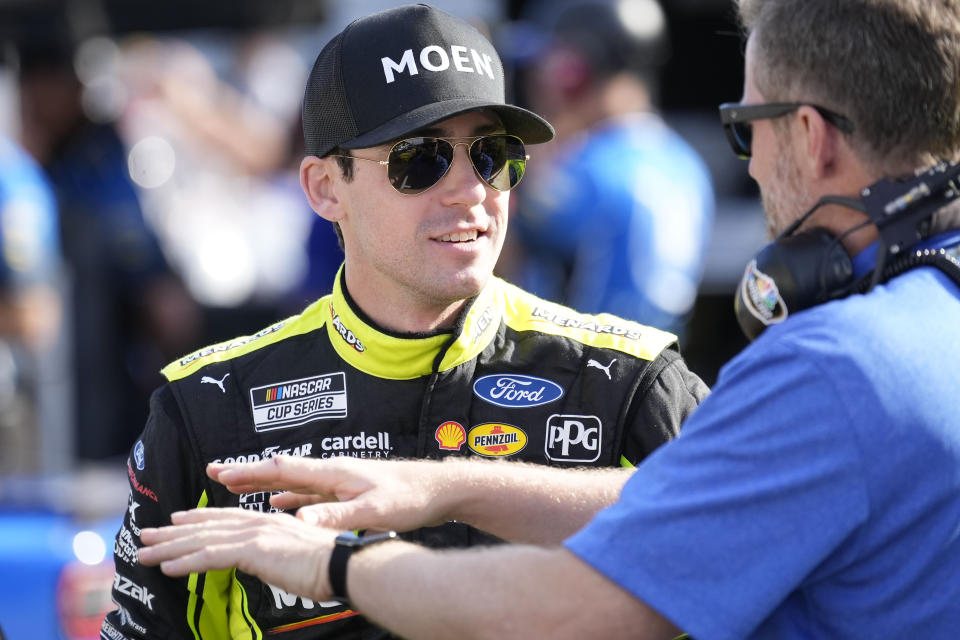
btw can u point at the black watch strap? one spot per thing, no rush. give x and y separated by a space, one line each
338 571
346 544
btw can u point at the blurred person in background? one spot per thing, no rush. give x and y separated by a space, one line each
619 217
31 303
129 311
227 202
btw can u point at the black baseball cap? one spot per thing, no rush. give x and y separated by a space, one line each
393 72
611 34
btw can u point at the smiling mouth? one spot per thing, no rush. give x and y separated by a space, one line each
460 236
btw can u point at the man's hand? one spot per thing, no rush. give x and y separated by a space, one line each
536 592
345 493
276 547
512 500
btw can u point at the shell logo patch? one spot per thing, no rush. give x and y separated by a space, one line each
494 439
451 435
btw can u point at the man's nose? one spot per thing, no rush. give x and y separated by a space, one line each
462 182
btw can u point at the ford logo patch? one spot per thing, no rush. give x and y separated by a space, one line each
138 455
516 391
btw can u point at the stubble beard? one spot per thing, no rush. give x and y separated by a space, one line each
787 197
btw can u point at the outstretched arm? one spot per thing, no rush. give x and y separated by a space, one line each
515 501
512 591
508 591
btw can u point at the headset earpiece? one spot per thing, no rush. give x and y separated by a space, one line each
790 274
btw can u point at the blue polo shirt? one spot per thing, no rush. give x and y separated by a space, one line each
816 492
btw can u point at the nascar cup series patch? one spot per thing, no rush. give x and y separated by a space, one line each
295 402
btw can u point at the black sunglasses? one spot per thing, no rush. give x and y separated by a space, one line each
736 120
416 164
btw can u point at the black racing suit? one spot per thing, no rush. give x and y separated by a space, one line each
518 377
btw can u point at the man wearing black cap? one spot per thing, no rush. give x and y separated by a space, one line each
418 352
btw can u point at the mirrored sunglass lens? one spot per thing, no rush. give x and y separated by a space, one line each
500 160
418 163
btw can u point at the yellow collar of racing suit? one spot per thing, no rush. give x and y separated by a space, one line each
372 351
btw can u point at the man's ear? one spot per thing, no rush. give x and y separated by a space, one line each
317 179
820 147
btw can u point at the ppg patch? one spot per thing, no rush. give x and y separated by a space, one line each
573 438
295 402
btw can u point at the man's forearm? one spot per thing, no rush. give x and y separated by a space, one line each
504 591
515 591
525 502
515 501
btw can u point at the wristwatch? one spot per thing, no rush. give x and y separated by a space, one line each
346 544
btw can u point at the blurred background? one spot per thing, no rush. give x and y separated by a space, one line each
150 205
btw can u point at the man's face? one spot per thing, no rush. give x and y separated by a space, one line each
784 193
430 250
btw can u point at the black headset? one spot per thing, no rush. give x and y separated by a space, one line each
800 270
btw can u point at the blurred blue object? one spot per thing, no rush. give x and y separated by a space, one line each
618 221
56 556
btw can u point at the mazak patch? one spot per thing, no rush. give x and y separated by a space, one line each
291 403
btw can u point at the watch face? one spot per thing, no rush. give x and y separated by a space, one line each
346 544
348 539
351 539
